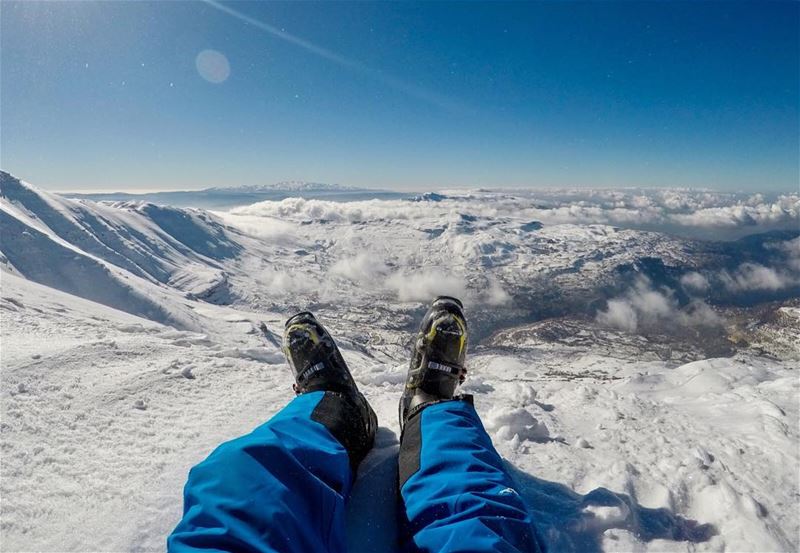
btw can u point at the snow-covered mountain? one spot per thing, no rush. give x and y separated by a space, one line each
288 186
641 385
128 255
226 197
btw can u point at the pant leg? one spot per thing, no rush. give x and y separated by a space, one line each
456 493
280 488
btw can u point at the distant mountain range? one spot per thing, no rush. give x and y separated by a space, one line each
226 197
287 185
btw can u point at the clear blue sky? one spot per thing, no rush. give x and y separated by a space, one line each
109 95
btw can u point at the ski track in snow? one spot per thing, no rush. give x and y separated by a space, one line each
614 444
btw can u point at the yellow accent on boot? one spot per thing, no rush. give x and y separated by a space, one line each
462 326
310 330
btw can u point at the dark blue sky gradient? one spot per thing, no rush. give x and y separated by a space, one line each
107 95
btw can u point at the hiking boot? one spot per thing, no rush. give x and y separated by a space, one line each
437 362
318 365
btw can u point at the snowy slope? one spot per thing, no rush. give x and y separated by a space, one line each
639 403
103 412
147 240
132 256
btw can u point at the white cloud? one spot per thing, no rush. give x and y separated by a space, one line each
363 268
791 248
278 283
695 282
753 276
749 213
619 314
643 307
650 305
655 209
699 313
783 272
262 227
495 294
425 285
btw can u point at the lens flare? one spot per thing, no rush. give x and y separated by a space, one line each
213 66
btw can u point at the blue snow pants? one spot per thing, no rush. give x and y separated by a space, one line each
283 487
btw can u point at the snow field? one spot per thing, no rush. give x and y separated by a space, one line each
104 413
618 440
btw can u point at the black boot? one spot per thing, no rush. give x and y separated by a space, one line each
318 365
437 362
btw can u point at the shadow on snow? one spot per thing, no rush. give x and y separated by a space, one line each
564 520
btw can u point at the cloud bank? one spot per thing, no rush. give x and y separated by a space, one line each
694 213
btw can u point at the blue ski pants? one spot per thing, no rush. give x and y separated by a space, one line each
283 487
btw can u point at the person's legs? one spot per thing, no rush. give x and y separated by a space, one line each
283 486
280 488
455 492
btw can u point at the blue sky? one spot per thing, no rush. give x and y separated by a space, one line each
109 95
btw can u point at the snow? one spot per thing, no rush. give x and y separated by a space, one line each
515 425
108 422
618 437
288 186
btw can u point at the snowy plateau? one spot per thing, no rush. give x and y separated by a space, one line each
634 354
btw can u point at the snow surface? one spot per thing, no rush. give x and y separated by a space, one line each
620 438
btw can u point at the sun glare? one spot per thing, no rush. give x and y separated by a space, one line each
213 66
